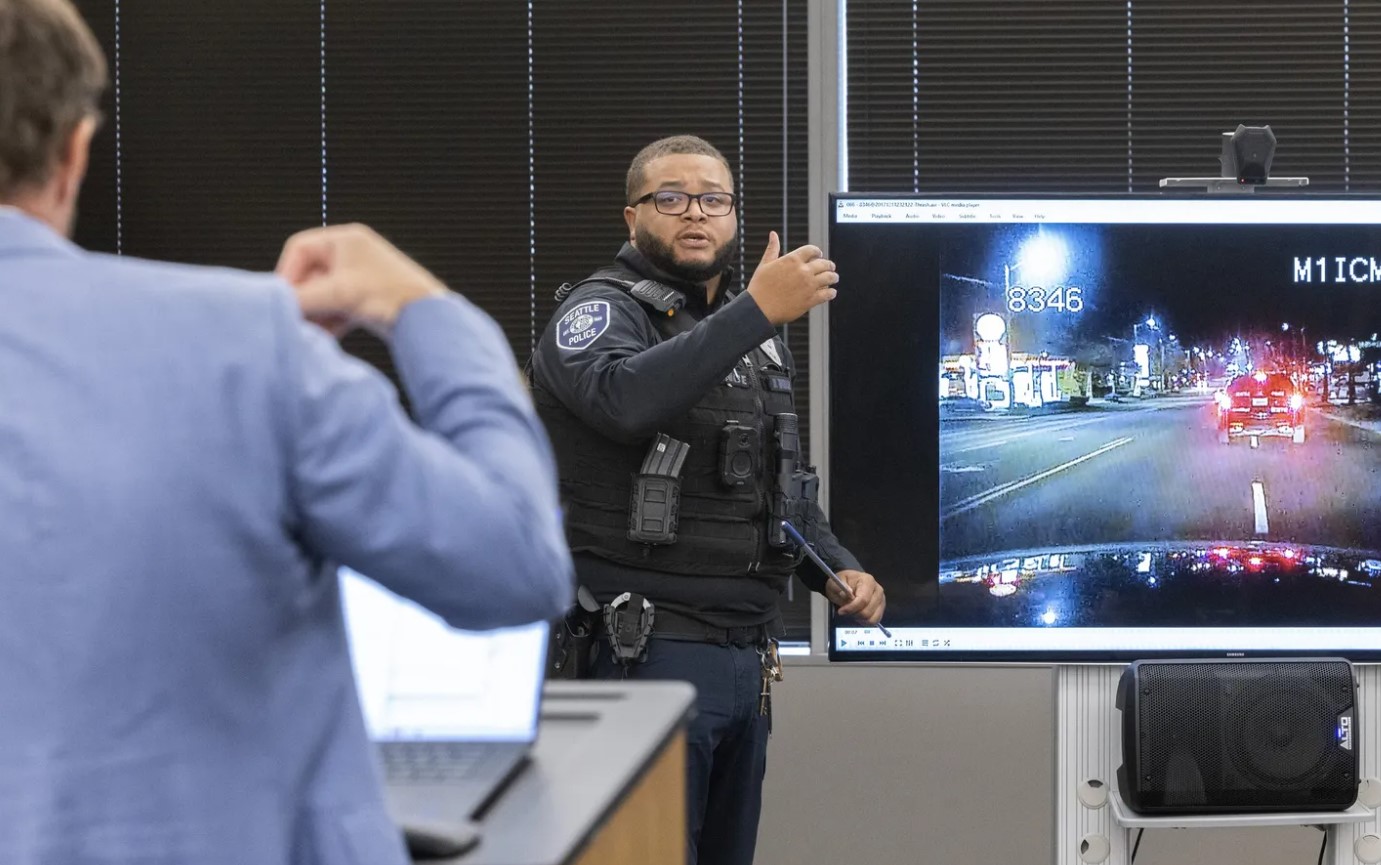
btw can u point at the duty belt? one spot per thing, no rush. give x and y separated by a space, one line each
674 626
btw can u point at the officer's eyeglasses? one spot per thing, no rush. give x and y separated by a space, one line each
670 202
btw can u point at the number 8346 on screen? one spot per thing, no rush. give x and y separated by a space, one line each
1035 298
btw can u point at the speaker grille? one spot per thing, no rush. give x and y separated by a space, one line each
1242 734
1285 726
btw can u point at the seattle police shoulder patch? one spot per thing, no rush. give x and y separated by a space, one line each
582 325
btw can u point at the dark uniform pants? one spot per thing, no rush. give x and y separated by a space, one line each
727 742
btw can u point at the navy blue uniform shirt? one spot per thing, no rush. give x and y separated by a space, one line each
627 382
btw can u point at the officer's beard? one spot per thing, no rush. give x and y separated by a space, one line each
663 257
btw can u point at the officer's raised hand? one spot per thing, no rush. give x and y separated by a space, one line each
786 287
867 601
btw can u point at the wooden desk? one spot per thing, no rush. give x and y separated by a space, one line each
606 785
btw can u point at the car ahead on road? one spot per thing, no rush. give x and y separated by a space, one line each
1260 405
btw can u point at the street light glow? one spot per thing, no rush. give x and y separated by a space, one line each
1043 260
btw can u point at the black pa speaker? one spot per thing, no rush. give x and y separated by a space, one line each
1203 737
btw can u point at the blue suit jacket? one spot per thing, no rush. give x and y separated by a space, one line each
180 459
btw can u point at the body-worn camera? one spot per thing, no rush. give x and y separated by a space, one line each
739 447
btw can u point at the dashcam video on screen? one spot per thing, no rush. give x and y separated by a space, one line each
1156 421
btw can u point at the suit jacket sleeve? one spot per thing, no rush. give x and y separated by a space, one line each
459 511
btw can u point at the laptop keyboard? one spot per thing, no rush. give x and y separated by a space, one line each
433 761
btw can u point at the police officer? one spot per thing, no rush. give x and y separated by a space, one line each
668 397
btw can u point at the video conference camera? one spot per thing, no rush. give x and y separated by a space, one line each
1247 153
1245 164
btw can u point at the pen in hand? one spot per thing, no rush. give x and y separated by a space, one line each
829 572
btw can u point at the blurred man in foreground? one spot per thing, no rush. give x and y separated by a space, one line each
182 463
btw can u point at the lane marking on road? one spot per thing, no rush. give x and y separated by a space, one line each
1002 438
974 501
1259 506
978 447
956 469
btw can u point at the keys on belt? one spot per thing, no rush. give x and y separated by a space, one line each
771 672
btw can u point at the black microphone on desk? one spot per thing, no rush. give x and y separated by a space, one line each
829 572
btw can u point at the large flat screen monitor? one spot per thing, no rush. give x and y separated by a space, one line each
1108 428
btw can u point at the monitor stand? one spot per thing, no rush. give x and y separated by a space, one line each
1093 826
1230 185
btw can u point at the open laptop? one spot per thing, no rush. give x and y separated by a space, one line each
454 713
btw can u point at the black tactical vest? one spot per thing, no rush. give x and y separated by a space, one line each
722 530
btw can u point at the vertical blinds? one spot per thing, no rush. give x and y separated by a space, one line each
1106 95
488 139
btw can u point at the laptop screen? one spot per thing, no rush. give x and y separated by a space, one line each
420 679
